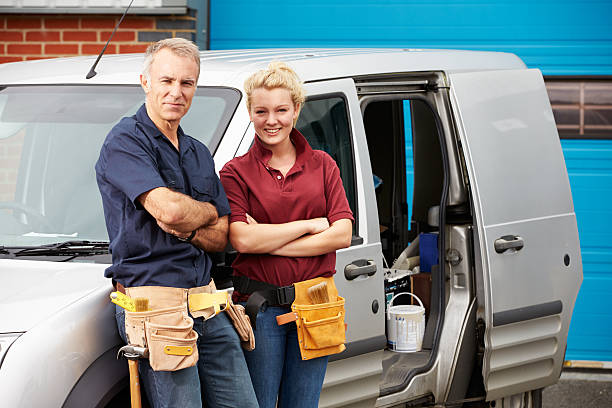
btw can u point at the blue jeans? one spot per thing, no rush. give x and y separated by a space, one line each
277 368
220 379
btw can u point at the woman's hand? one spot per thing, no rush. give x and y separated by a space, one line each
251 237
318 225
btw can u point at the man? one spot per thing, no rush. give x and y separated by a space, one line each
165 208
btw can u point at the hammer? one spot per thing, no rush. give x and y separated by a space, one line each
133 353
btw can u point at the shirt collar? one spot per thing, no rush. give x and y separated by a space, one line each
303 151
152 131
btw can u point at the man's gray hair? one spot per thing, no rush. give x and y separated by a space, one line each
179 46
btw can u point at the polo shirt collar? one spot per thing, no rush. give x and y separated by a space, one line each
303 151
152 131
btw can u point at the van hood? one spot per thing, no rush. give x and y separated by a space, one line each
32 291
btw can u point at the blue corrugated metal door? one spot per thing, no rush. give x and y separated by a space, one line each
589 164
559 37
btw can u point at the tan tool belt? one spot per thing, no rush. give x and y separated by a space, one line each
320 326
166 329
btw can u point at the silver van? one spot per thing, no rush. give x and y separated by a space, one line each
451 163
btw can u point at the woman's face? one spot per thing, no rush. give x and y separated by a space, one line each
272 113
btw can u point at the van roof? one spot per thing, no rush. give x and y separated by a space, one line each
230 67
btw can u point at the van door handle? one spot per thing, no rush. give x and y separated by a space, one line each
358 268
507 242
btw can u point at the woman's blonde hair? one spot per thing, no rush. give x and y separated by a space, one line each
276 75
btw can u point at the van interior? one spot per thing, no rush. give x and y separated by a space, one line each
408 189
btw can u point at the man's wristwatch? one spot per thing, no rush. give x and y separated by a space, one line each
189 238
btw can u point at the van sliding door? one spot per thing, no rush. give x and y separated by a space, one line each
528 264
331 121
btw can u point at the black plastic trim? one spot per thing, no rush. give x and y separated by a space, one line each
527 313
356 348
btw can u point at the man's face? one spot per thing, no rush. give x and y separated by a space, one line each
171 86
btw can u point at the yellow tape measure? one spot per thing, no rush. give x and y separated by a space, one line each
123 300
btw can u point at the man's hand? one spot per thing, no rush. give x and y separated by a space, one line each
167 228
178 211
212 238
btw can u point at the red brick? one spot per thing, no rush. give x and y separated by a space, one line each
61 49
80 36
11 35
24 49
10 59
119 36
94 49
2 48
42 36
23 22
135 22
51 22
2 22
130 48
36 58
98 22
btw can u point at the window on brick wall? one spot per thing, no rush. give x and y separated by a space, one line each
582 108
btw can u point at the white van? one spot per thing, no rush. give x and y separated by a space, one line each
450 155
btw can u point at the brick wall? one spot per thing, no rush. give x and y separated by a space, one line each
28 37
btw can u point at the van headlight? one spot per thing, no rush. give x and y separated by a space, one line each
6 339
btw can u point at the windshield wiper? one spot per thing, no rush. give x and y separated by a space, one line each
67 248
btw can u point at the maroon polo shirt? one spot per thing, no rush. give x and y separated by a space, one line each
311 189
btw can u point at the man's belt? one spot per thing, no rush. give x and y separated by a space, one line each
262 294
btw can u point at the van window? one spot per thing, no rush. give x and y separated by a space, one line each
324 123
50 139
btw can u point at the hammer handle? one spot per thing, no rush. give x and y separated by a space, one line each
134 384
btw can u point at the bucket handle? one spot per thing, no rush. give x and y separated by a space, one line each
399 294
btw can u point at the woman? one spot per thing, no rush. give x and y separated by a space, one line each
289 216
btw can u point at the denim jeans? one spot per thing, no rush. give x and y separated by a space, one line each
220 378
277 368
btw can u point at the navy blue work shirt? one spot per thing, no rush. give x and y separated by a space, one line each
135 158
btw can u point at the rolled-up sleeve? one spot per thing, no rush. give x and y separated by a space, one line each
236 191
129 165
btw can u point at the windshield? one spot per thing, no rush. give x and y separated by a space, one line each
50 139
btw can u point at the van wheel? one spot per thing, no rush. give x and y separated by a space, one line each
529 399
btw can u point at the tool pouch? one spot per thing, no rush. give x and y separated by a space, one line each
166 330
320 326
242 325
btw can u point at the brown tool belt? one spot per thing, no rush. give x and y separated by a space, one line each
201 301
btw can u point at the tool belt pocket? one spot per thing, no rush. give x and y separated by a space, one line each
320 318
322 325
167 333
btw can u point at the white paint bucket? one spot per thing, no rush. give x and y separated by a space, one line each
405 325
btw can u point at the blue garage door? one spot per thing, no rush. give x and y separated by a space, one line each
589 164
565 39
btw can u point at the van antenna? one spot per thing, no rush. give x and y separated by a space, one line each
92 73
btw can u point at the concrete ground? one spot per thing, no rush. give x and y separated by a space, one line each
580 389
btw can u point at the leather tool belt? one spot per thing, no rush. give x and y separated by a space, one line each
166 328
320 326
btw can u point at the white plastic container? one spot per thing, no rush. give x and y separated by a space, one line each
405 325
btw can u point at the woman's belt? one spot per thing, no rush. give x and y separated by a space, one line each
262 294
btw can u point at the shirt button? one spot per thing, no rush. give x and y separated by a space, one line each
279 177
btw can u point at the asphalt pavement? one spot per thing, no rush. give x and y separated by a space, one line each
580 389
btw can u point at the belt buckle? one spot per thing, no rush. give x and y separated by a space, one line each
285 295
